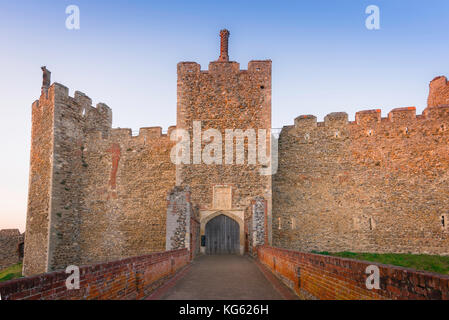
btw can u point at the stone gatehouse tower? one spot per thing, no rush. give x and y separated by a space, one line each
98 194
224 98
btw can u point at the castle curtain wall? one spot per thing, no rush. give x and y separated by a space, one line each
96 194
373 185
127 179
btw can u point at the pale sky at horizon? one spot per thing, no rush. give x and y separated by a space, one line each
125 55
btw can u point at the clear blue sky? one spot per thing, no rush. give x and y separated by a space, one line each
125 54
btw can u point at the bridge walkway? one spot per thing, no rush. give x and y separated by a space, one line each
224 277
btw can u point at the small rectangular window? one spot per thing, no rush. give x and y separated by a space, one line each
444 222
371 224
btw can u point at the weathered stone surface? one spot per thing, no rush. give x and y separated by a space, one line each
11 247
98 194
256 224
39 189
179 213
374 185
224 97
438 92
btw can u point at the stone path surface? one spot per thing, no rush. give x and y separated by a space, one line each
224 277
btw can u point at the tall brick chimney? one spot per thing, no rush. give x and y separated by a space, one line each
224 37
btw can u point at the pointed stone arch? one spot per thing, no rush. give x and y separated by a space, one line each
206 216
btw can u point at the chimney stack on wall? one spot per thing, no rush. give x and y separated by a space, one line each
224 37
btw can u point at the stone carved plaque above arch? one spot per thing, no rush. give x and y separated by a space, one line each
222 199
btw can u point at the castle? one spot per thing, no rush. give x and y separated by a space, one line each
99 194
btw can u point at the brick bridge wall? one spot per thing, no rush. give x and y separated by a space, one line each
131 278
314 276
372 185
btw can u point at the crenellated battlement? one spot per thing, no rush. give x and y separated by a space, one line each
79 108
77 111
403 115
153 134
438 92
366 119
76 150
336 119
306 122
223 65
375 184
218 67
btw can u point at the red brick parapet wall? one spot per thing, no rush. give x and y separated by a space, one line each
314 276
131 278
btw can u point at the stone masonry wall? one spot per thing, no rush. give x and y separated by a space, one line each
10 244
179 215
224 97
39 188
256 225
259 222
96 193
438 92
373 185
124 191
73 119
195 235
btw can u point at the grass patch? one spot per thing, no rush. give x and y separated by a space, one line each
423 262
12 272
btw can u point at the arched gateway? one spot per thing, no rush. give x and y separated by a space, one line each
222 236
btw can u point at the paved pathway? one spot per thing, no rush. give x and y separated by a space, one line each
224 277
